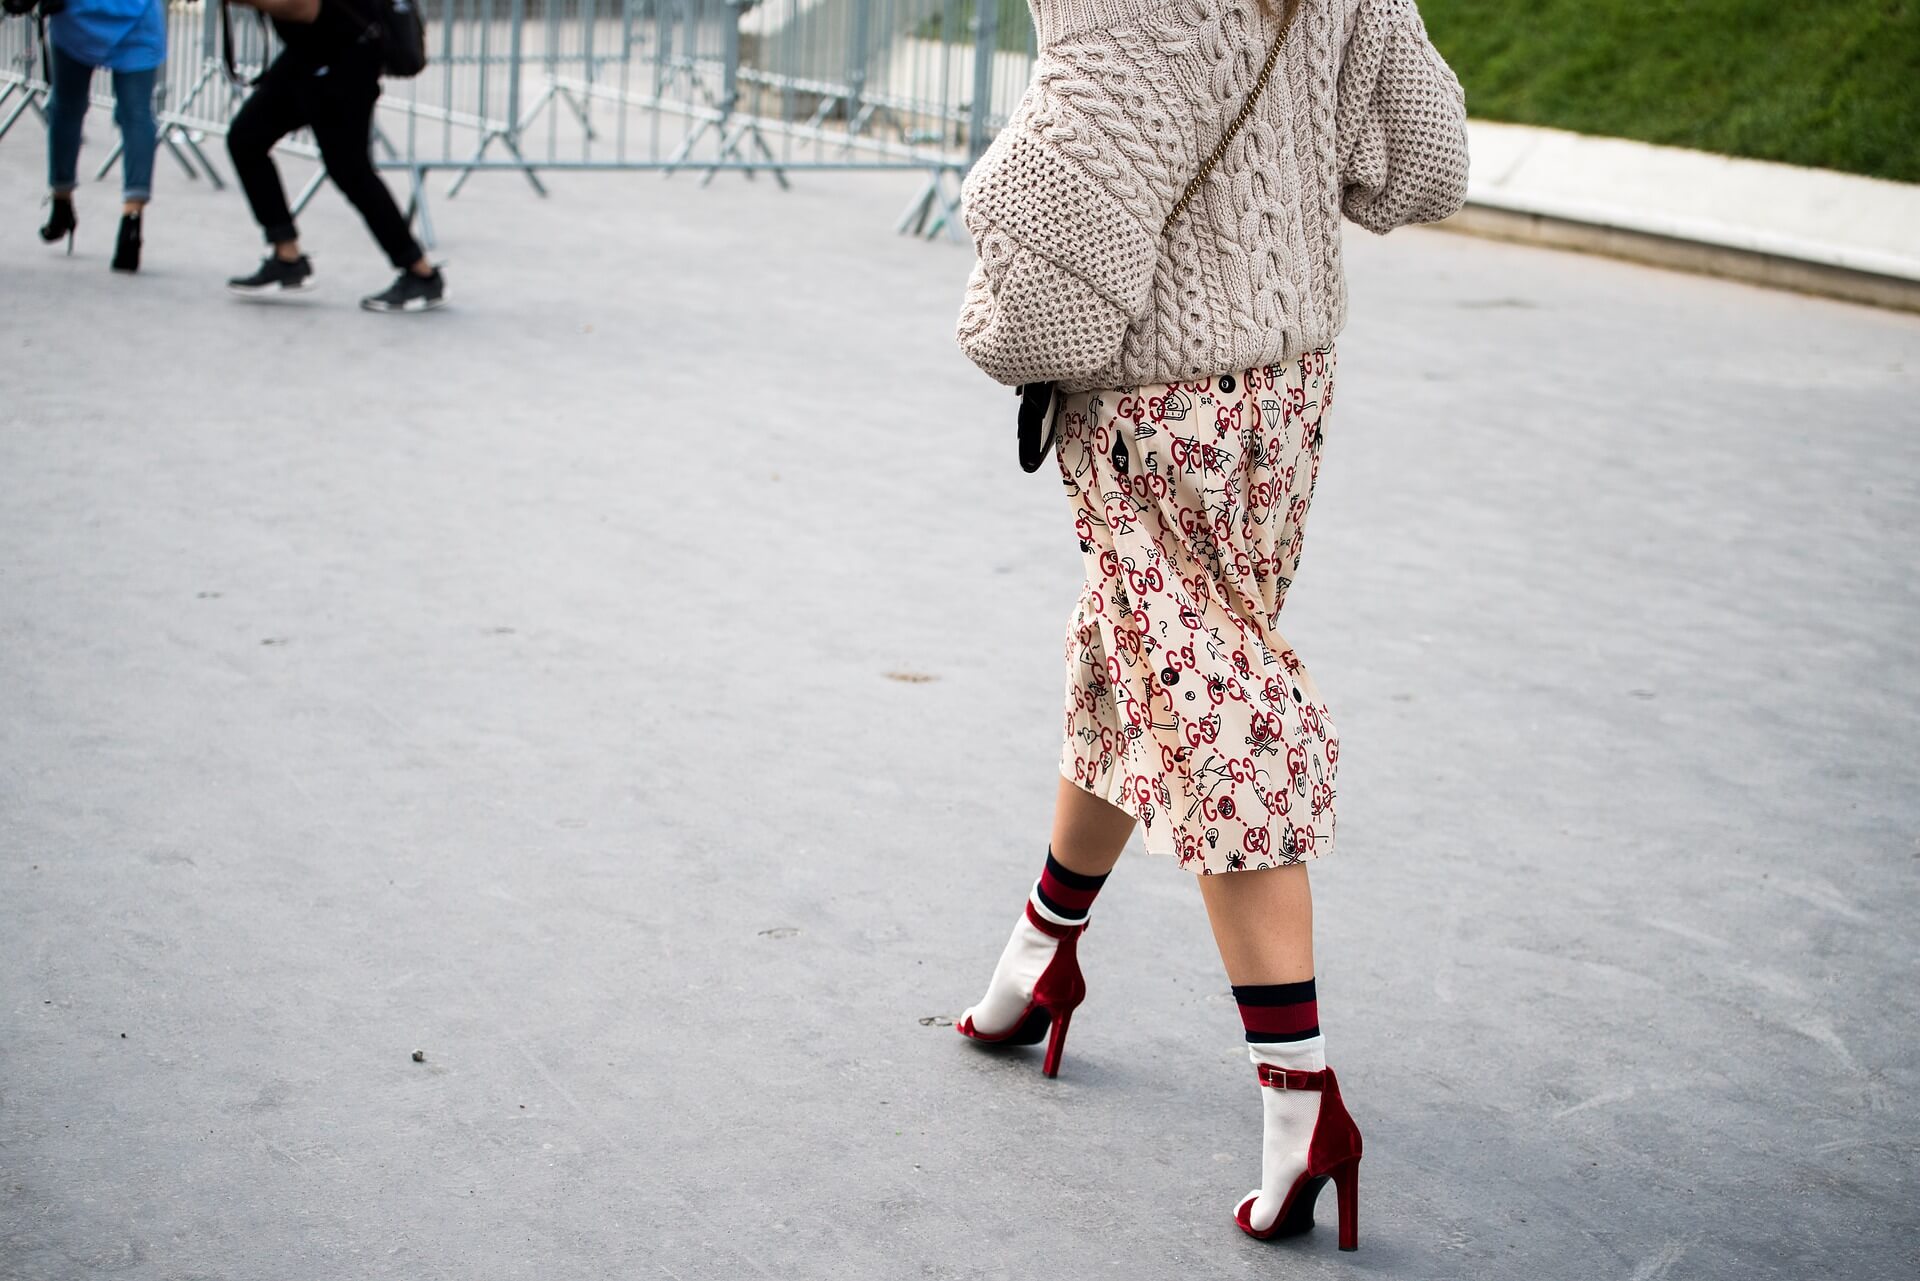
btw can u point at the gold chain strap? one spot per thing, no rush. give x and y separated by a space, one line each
1226 139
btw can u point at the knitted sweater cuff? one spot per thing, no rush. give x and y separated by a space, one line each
1401 122
1063 266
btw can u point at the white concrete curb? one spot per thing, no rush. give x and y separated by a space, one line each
1836 224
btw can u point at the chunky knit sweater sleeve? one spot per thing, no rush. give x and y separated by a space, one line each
1065 209
1083 281
1401 122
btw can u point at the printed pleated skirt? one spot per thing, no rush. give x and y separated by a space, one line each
1185 705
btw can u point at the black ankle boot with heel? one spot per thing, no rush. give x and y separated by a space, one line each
126 253
60 222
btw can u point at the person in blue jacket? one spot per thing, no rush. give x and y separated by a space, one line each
129 38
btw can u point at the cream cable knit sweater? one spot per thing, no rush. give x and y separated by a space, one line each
1075 283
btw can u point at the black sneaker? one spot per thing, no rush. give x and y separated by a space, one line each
276 276
410 292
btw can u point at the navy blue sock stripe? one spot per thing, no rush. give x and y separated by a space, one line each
1040 893
1275 993
1070 878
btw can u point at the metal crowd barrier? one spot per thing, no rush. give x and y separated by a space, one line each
23 84
753 86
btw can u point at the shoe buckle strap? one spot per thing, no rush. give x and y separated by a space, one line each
1053 929
1279 1078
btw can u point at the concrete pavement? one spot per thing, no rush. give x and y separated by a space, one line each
520 684
1839 235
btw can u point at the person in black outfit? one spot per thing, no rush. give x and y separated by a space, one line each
327 78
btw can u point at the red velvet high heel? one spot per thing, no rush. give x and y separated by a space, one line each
1056 995
1333 1154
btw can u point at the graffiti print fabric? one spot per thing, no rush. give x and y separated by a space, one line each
1185 706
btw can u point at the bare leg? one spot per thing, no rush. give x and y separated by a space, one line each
1262 923
1088 833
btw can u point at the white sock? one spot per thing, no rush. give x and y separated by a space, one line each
1290 1118
1010 990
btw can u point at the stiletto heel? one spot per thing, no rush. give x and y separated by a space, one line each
1346 1182
1333 1155
1056 995
1056 1044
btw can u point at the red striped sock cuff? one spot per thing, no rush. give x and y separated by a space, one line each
1278 1011
1066 893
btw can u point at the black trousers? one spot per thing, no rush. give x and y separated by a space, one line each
336 102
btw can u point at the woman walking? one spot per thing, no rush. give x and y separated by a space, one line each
1158 229
129 39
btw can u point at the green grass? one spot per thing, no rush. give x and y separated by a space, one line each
1830 83
953 22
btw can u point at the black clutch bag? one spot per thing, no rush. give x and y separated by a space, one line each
1036 424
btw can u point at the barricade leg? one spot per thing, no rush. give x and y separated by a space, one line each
934 210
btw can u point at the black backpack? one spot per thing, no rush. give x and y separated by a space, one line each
402 34
395 25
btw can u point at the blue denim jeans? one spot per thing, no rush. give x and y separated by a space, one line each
132 111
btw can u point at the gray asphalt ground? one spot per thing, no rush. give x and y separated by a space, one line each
520 684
